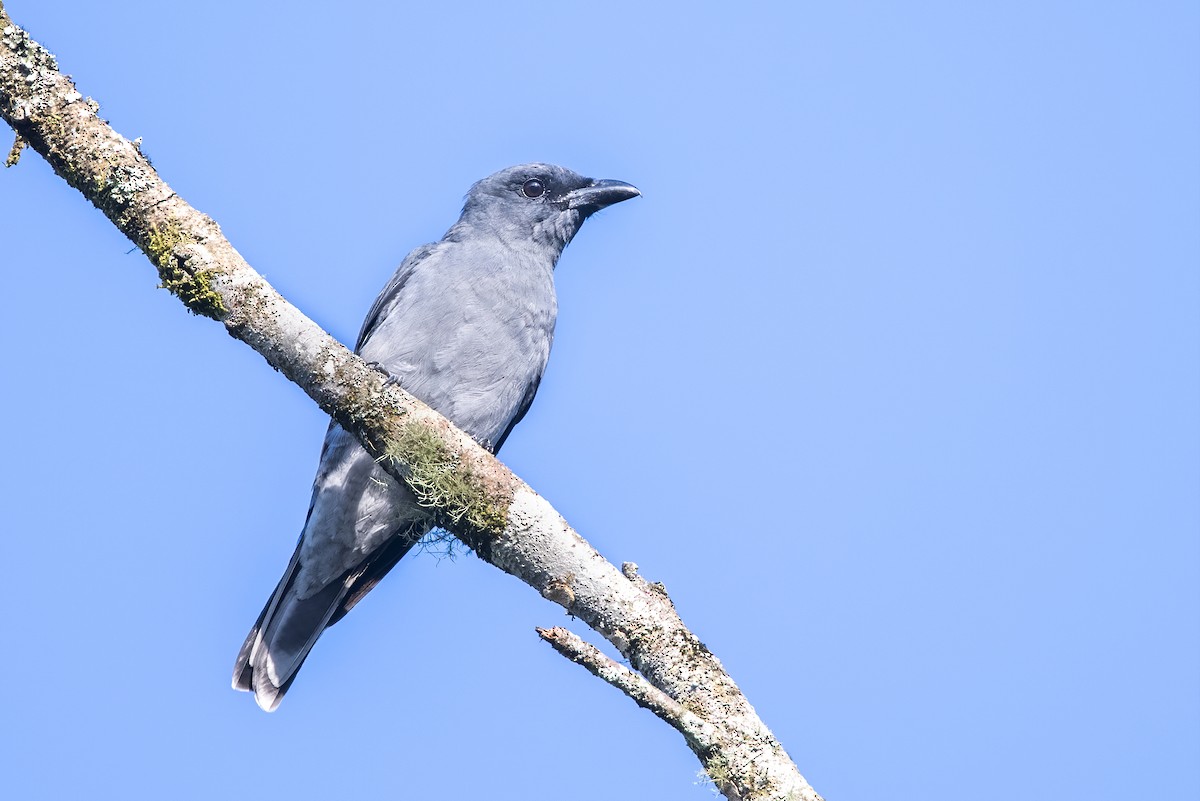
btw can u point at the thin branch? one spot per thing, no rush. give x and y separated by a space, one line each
698 733
466 489
14 155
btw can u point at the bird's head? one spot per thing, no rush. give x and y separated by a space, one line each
539 203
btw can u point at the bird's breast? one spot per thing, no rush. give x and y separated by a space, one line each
470 341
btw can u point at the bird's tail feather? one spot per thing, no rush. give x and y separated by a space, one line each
243 670
289 627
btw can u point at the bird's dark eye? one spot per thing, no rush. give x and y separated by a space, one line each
533 188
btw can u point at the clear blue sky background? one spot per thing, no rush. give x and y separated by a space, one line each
892 378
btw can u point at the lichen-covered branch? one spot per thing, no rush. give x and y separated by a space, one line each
467 491
699 734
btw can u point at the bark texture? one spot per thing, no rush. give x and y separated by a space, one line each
467 490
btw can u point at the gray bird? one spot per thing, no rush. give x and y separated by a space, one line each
465 325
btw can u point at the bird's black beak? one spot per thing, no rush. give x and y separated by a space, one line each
598 194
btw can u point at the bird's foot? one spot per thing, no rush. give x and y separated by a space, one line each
388 379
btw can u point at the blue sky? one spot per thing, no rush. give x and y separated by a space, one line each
892 377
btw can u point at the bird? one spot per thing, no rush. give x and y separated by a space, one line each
465 324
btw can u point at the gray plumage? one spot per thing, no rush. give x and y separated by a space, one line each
465 324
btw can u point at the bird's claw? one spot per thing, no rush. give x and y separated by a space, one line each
388 379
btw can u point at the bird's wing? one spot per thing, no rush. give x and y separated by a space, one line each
391 292
526 402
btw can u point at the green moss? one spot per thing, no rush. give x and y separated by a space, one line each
717 769
100 182
360 399
194 289
457 499
463 501
160 245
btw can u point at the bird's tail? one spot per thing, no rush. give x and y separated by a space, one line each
289 626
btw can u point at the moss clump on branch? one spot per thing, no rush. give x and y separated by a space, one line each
194 289
717 769
439 481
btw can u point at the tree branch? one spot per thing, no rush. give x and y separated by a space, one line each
466 489
698 733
